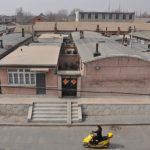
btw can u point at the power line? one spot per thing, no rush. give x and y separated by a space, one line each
74 90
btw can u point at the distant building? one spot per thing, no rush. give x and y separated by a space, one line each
106 16
39 18
7 19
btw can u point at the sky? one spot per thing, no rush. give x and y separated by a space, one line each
8 7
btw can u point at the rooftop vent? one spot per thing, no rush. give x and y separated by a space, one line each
102 41
125 42
1 44
97 53
149 46
23 35
55 28
81 35
97 28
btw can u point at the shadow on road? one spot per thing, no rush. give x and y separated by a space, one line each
112 146
115 146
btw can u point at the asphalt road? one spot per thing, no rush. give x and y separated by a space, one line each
70 138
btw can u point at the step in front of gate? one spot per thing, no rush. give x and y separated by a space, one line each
55 112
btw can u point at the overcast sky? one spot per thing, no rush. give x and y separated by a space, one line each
8 7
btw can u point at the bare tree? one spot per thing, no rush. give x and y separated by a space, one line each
51 16
62 15
19 15
23 17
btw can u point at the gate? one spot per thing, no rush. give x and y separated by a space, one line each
69 86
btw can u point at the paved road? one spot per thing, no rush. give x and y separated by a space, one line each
64 138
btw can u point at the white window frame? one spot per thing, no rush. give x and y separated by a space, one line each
24 79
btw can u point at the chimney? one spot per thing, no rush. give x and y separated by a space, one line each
106 31
97 53
148 46
123 39
119 30
126 42
23 32
1 44
97 29
81 35
55 28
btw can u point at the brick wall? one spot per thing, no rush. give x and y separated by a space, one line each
117 74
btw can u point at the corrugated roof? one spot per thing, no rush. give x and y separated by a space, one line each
32 56
108 47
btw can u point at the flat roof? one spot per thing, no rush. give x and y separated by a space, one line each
108 47
32 56
52 35
142 34
106 12
11 40
90 26
49 39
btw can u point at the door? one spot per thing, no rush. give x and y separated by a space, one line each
69 86
40 83
0 88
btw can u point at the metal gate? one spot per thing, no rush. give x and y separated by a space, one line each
69 86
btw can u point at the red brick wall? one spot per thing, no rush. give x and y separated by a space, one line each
51 81
118 74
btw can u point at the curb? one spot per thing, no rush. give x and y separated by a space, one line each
66 125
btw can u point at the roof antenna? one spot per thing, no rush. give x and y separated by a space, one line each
109 6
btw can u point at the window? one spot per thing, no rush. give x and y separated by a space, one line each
21 77
124 16
117 16
15 78
103 16
130 17
82 16
89 16
27 78
10 76
96 16
110 16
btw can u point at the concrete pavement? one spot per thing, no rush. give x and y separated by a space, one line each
104 99
64 138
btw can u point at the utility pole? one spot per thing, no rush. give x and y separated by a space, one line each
109 6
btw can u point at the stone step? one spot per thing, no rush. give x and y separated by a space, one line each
50 112
74 116
50 120
55 112
50 105
54 102
49 109
74 105
74 109
49 116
